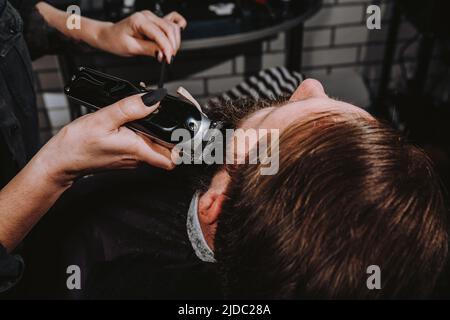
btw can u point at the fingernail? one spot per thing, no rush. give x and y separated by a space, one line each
153 97
159 56
170 165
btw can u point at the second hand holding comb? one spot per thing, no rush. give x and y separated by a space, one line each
157 95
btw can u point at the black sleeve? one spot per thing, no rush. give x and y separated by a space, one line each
11 269
39 36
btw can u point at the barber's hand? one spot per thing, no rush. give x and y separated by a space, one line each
143 33
99 141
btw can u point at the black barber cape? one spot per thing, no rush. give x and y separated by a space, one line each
126 231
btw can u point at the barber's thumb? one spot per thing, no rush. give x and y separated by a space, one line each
128 109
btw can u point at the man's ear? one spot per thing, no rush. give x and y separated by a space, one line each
210 207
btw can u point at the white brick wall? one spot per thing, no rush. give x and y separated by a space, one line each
329 57
218 85
337 15
194 86
225 68
349 35
317 38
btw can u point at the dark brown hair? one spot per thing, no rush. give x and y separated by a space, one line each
350 193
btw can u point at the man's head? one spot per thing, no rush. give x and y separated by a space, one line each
349 193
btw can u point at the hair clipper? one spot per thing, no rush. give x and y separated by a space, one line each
95 90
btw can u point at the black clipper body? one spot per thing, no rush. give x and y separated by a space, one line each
95 90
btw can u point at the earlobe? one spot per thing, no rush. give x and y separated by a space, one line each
216 208
210 203
210 207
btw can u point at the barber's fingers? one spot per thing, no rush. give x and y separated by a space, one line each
155 146
153 32
124 111
169 28
179 21
177 18
177 32
178 36
153 154
145 48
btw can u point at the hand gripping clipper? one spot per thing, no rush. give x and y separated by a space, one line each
95 90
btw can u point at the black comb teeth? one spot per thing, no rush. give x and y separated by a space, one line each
162 77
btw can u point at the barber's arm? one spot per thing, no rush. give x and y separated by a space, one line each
94 142
143 33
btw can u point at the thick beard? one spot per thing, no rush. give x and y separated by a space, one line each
230 114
